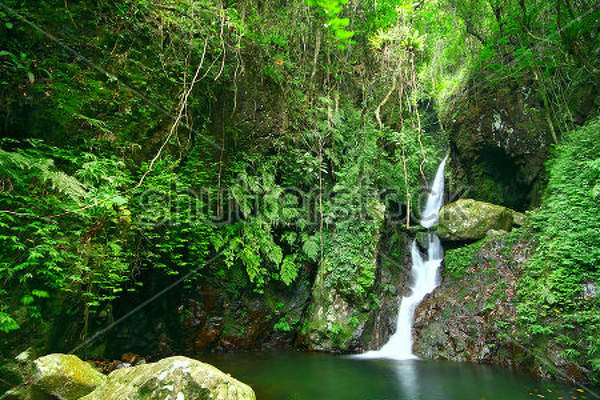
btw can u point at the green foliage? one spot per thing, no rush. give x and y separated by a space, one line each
457 261
552 305
350 262
331 9
7 323
287 94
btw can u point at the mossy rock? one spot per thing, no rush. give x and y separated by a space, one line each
174 378
65 376
469 219
342 303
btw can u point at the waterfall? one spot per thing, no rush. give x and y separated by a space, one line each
424 275
431 212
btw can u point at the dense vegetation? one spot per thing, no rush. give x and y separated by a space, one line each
556 307
145 143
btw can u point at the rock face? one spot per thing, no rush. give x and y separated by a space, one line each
461 319
472 316
360 314
500 141
219 320
174 378
215 314
65 376
469 219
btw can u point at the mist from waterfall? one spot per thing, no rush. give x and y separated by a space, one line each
424 277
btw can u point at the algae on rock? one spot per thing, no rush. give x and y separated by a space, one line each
65 376
469 219
173 378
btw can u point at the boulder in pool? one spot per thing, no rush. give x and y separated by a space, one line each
469 219
65 376
173 378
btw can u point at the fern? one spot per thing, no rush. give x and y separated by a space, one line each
15 163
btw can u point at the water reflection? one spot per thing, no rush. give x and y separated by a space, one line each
310 376
406 373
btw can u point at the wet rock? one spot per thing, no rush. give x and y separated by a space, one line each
472 316
173 378
65 376
422 239
463 319
469 219
131 358
591 290
215 319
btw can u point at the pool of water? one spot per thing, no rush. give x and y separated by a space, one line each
314 376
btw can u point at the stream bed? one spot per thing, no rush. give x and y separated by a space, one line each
317 376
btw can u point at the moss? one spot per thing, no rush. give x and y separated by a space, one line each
457 261
234 323
168 378
65 376
468 219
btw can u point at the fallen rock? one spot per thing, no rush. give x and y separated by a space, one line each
174 378
469 219
65 376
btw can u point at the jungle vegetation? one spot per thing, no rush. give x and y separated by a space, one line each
161 138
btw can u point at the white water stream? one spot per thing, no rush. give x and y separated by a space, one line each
424 277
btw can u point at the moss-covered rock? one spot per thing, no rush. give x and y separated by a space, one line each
174 378
470 317
65 376
469 219
341 299
355 293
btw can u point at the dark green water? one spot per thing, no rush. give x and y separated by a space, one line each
313 376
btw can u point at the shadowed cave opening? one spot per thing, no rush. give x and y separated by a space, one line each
499 180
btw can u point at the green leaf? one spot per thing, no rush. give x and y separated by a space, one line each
42 294
289 269
7 323
311 247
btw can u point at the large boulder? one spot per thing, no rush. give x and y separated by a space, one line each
65 376
469 219
174 378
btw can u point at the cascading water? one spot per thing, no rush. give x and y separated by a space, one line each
424 274
435 199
